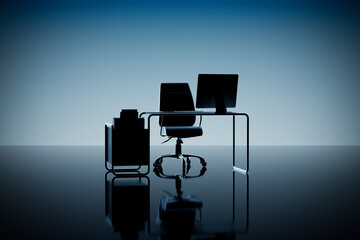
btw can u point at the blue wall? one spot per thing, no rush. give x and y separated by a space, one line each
66 68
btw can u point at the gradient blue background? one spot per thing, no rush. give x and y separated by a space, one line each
67 67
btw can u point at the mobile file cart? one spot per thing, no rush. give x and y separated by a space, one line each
127 144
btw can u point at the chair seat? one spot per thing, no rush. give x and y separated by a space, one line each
183 131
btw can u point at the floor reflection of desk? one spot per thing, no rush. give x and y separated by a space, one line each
131 199
57 192
201 113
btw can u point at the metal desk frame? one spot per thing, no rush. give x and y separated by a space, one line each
203 113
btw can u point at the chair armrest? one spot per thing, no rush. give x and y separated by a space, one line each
200 120
163 131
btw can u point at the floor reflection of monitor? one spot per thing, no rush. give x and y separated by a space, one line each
217 91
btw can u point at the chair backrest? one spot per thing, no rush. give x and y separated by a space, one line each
176 97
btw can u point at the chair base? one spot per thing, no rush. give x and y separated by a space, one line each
186 165
184 157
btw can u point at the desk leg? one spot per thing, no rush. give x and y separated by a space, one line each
233 140
247 144
149 138
243 171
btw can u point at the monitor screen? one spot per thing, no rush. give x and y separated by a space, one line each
217 91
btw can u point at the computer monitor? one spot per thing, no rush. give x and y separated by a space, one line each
217 91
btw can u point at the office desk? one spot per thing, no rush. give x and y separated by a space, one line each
203 113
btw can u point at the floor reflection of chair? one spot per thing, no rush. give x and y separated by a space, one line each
180 217
178 97
127 204
177 214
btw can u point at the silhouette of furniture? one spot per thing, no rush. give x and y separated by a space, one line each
203 113
127 144
217 91
178 97
213 91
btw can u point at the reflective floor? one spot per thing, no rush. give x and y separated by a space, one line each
299 192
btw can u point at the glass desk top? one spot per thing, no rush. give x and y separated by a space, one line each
62 192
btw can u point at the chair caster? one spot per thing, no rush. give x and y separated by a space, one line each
188 161
158 162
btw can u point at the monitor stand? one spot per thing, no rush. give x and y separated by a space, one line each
220 104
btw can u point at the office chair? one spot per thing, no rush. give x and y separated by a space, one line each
178 97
